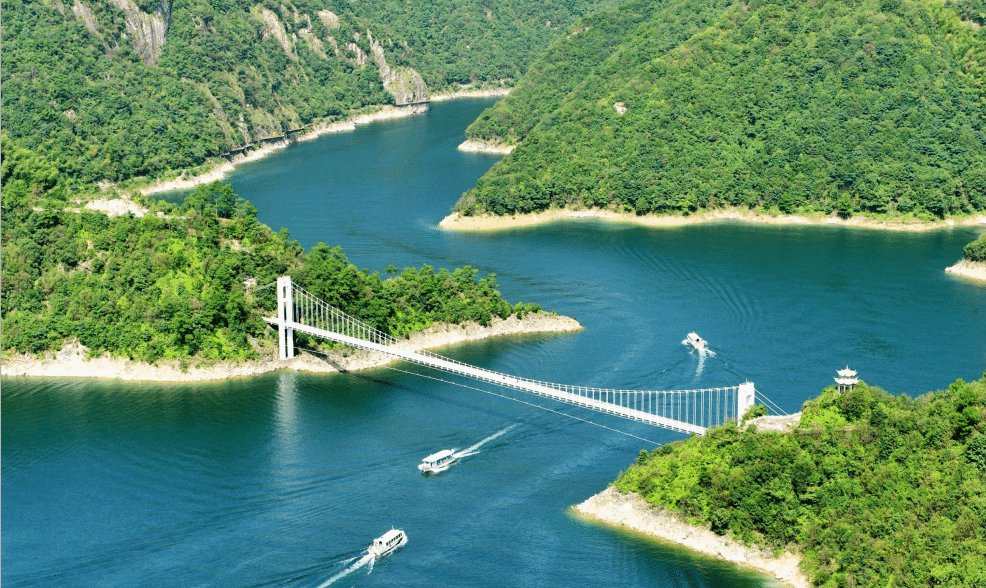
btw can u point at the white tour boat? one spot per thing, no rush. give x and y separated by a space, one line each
695 341
386 543
437 462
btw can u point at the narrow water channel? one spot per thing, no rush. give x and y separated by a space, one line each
285 479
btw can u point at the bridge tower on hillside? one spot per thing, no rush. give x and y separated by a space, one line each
285 315
746 397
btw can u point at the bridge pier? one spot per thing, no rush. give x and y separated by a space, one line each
285 315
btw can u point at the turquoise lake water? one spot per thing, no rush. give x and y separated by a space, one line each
284 479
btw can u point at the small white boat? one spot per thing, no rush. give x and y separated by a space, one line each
387 543
437 462
695 341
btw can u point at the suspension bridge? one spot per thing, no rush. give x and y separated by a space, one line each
684 411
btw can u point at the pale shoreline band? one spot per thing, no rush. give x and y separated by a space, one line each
633 512
487 222
72 360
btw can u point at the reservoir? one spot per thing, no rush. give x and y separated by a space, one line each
284 479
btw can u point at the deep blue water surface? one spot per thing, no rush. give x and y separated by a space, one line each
283 480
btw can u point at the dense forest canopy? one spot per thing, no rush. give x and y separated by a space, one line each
873 490
185 283
672 106
976 250
109 90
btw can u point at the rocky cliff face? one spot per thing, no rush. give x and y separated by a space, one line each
403 83
273 27
84 14
148 32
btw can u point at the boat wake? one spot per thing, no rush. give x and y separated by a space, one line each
703 352
366 560
473 450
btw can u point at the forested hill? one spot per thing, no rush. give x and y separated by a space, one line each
189 284
108 90
871 489
671 106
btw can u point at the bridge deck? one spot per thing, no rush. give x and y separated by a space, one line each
497 378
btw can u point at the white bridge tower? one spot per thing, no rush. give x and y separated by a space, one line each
285 315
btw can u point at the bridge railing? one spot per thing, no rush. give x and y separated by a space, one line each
703 407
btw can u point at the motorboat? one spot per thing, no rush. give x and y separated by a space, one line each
437 462
387 543
695 341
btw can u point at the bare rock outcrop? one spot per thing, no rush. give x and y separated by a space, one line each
273 27
359 58
116 206
85 14
148 32
482 146
329 19
776 423
403 83
310 37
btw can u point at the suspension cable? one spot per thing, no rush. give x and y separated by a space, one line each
435 378
774 406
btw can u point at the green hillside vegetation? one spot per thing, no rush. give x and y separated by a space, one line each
178 286
871 106
92 95
873 490
976 251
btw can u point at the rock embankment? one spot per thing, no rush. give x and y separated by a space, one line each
73 359
631 511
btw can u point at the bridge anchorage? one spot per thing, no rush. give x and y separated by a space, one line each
684 411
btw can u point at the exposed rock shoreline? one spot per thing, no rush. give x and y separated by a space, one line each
72 360
457 222
632 512
479 146
969 269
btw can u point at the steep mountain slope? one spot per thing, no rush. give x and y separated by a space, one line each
874 105
107 90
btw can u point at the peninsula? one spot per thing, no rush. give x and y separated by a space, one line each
179 292
973 262
818 503
74 360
